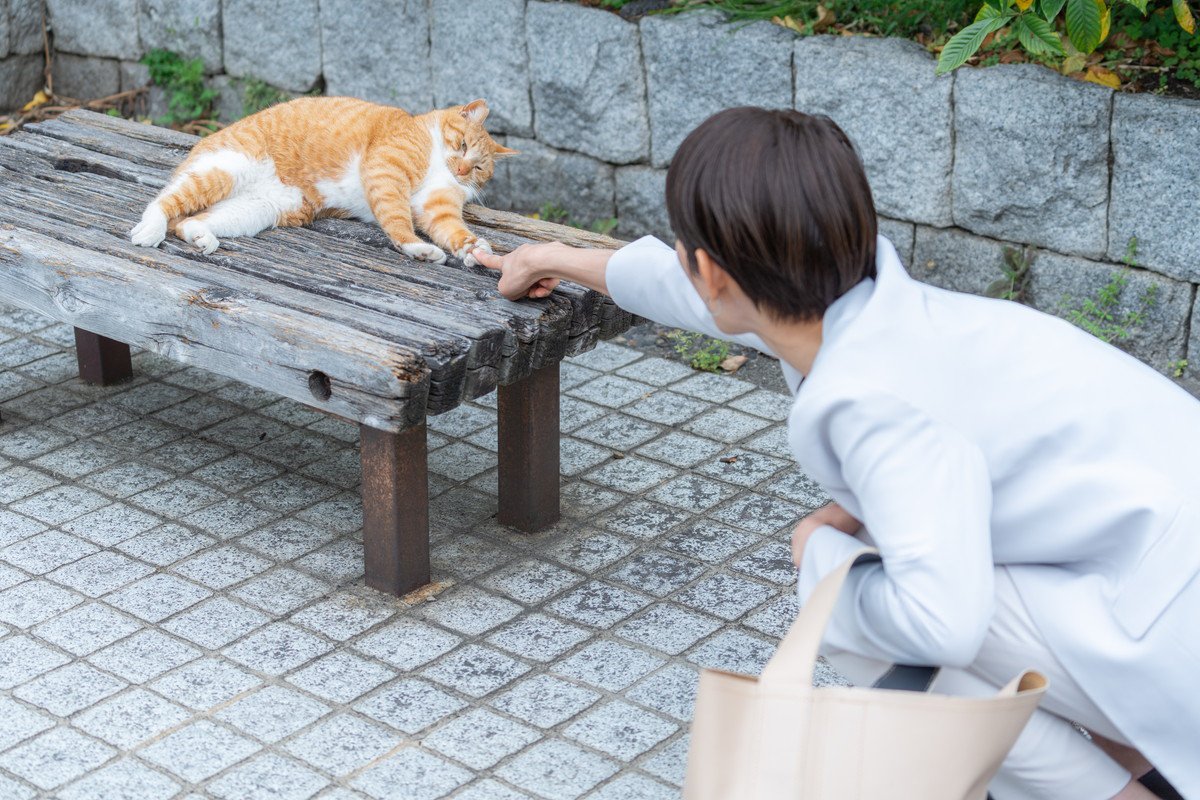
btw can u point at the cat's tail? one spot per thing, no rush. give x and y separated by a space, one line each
187 193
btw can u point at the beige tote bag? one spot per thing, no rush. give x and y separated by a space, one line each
777 738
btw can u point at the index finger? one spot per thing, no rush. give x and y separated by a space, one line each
489 260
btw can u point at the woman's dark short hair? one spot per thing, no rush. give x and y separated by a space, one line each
779 199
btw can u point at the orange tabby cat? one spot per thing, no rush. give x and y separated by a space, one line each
332 156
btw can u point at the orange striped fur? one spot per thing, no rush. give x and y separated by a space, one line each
332 156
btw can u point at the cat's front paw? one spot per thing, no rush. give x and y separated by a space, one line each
151 230
464 252
423 251
199 236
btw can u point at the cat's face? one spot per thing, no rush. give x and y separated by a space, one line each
471 152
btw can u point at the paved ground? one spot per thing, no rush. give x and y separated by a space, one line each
182 610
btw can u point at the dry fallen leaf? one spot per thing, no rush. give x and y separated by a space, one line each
733 363
824 20
1102 76
39 99
729 460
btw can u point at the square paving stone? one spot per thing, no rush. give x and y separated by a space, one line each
619 729
165 545
291 412
545 701
760 513
19 722
273 713
55 757
288 493
588 551
631 474
277 648
611 391
296 449
34 601
772 562
480 738
598 604
411 773
150 397
710 542
60 504
268 777
581 500
726 425
338 563
22 658
742 467
470 610
461 461
777 618
799 488
475 670
557 769
538 637
287 539
198 412
716 388
76 460
341 677
671 690
130 718
605 356
668 628
101 573
45 551
681 449
237 472
157 597
667 408
570 375
575 413
177 499
342 744
407 643
281 591
14 527
247 431
216 622
670 762
692 493
726 596
230 518
187 455
657 572
144 656
199 751
92 419
126 479
112 524
19 482
220 567
343 469
607 665
531 580
656 371
618 432
409 705
632 786
31 441
126 779
774 443
341 513
205 683
346 614
642 519
488 789
461 421
766 404
247 396
734 651
87 628
467 556
575 456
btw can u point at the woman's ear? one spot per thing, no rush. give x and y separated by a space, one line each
712 276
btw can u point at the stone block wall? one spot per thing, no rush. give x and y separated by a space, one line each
963 166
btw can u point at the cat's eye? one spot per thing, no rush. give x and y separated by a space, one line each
463 147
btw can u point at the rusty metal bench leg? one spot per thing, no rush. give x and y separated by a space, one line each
528 445
395 493
102 361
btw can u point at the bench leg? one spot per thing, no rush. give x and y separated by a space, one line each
395 493
102 361
528 446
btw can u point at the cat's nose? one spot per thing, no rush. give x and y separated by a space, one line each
464 169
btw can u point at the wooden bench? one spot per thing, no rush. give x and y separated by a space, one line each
330 316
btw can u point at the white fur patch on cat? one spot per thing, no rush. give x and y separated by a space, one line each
423 251
347 192
438 175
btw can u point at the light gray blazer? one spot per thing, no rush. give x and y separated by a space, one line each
967 433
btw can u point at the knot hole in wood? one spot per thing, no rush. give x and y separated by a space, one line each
318 384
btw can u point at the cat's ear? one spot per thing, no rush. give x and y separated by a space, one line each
500 151
475 111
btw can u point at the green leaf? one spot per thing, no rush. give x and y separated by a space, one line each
1084 24
1140 5
1183 15
964 43
1052 8
1038 36
987 11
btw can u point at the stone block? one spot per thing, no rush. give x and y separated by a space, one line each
1031 157
84 77
4 25
95 27
588 84
956 260
1154 183
540 174
698 64
642 203
1193 353
133 75
1060 284
902 235
378 50
235 101
20 78
25 26
191 28
885 96
276 41
479 49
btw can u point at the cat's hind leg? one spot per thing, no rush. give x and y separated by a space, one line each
190 191
241 215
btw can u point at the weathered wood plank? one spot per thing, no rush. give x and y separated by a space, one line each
537 230
249 339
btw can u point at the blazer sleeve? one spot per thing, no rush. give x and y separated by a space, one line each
925 495
645 277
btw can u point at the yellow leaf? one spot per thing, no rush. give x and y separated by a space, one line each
1105 21
5 126
1073 63
1102 76
825 18
789 23
1024 4
1183 13
39 99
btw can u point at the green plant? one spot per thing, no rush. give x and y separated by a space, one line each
258 95
1100 315
1177 368
552 212
1036 23
1158 40
883 17
698 350
188 98
1015 282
